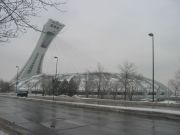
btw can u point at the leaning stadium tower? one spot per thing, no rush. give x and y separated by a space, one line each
34 64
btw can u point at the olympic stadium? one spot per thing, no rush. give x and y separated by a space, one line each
31 78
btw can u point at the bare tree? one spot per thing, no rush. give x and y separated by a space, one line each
131 89
46 84
114 87
174 85
87 84
15 15
72 88
127 78
105 86
100 78
5 86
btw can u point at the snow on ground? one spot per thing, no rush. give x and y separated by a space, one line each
76 96
168 102
152 110
62 96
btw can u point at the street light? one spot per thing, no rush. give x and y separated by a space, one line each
17 77
55 57
55 77
152 35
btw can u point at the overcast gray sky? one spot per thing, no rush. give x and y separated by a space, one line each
106 31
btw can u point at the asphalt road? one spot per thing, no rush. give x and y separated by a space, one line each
50 119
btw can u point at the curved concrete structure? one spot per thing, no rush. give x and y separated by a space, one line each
34 64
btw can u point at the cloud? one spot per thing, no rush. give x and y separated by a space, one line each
109 32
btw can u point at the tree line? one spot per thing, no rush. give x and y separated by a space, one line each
55 87
126 82
5 86
174 84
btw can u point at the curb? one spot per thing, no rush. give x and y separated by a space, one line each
11 128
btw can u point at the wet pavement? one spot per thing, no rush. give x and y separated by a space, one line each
51 119
3 133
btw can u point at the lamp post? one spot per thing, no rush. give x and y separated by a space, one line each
55 57
152 35
55 77
168 92
17 77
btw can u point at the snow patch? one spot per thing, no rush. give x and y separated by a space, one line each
168 102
